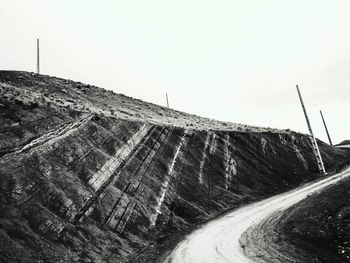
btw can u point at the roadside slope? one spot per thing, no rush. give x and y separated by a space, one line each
92 176
319 226
246 234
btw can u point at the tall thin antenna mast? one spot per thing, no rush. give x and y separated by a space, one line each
325 126
313 140
167 101
37 56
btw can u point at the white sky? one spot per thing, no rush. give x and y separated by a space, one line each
231 60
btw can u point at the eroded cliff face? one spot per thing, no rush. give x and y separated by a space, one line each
86 177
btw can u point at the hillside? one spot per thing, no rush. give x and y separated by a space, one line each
318 227
87 175
345 142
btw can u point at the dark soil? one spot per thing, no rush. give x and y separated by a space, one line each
320 224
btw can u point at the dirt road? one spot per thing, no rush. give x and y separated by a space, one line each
239 236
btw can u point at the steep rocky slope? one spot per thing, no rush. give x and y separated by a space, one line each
91 176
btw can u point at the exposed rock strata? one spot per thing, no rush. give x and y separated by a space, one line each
91 176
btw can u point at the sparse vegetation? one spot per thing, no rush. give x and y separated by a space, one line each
78 184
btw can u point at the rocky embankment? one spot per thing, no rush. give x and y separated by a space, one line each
88 175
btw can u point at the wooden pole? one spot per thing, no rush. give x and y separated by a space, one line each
37 56
167 101
313 139
325 126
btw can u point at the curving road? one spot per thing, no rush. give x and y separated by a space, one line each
239 235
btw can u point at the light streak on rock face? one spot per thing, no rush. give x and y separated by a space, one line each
231 164
201 165
165 184
213 144
112 164
263 144
227 160
301 157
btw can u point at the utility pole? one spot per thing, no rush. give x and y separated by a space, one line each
167 101
325 126
313 140
37 56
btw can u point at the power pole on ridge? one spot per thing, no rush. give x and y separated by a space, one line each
315 148
167 101
37 56
325 126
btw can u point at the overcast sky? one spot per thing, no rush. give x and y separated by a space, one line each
231 60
